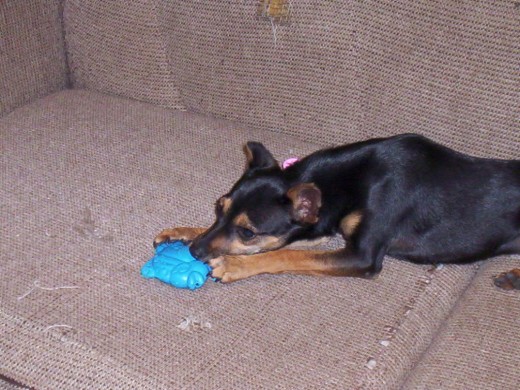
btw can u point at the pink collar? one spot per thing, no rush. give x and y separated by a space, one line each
290 161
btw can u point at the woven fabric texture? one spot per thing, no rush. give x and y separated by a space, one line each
88 180
32 59
477 347
117 47
339 71
7 384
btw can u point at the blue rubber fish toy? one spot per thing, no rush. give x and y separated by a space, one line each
174 264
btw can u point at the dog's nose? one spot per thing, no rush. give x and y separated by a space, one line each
198 252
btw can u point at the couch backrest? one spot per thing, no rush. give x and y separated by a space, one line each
332 72
32 55
117 47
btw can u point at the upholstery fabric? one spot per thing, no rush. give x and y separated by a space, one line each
117 47
32 55
339 71
477 347
7 384
89 179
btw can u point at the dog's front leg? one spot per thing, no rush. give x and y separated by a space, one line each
184 234
332 263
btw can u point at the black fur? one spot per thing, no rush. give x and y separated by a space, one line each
420 201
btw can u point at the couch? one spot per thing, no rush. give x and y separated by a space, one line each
120 118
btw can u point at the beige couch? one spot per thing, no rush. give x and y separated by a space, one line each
120 118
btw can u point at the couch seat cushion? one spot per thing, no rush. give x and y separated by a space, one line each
89 179
477 347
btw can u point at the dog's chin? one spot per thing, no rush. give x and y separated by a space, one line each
244 251
253 251
234 253
206 258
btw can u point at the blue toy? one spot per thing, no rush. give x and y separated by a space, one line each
174 264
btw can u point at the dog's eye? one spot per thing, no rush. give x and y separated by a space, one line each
245 233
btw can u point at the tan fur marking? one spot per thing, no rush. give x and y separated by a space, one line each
225 203
349 223
271 242
309 243
243 220
256 245
236 246
220 243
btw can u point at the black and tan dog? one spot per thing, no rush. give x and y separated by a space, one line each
404 196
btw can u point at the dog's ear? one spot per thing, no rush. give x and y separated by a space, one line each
306 202
258 156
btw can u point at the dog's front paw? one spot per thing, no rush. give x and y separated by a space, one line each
184 234
227 269
508 280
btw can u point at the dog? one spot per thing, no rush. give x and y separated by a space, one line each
404 196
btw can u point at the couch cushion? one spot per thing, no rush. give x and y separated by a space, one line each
339 71
32 56
478 346
117 47
88 180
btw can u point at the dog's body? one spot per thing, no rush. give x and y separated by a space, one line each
404 196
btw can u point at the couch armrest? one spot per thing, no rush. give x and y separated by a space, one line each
32 54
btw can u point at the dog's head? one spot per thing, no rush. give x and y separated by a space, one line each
262 212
